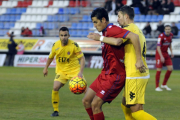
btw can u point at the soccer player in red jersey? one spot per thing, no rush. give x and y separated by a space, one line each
163 58
112 77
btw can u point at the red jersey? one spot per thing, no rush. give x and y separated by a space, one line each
164 42
113 56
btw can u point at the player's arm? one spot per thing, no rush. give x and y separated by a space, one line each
45 71
170 47
50 59
159 50
108 40
82 65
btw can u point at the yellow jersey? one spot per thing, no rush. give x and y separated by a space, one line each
130 55
66 57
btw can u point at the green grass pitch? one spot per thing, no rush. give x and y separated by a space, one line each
25 94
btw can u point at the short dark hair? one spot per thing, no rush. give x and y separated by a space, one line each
100 13
167 26
63 29
127 10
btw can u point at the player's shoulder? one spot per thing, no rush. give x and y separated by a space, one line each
73 43
56 43
171 34
110 27
161 35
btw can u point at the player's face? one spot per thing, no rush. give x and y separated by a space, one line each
167 30
64 35
121 19
99 24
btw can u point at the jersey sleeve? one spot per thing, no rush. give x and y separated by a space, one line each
160 39
77 50
52 53
116 32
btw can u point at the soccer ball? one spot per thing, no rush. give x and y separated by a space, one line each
77 85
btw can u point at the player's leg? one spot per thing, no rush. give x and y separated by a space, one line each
134 94
55 97
59 82
166 78
96 107
158 73
126 110
87 100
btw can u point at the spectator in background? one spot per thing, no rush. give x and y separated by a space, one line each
27 32
156 4
166 8
11 50
147 30
42 31
160 29
118 6
20 48
22 30
174 29
107 5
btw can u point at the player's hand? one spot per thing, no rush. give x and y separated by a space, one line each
94 36
45 72
140 66
162 59
172 56
80 74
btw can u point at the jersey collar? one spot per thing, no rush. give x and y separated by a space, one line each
107 26
166 35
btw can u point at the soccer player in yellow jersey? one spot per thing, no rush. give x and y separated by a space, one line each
68 54
136 75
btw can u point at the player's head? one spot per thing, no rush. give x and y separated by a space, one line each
125 14
167 29
64 35
100 18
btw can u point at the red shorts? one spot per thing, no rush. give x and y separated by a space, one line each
167 62
107 87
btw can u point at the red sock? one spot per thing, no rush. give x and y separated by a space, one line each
168 73
90 113
99 116
158 73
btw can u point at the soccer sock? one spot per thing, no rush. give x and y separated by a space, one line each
141 115
55 100
90 113
127 112
166 77
157 78
99 116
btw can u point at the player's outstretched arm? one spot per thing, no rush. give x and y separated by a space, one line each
45 71
108 40
82 65
137 46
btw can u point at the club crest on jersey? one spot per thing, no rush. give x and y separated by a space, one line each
68 53
110 26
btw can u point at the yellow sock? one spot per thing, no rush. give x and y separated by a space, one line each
55 100
141 115
127 112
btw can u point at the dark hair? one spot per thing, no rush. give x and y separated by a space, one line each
63 29
127 10
167 26
100 13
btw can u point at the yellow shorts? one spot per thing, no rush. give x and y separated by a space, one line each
134 91
63 78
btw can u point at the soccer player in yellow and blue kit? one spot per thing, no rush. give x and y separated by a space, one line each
67 54
137 72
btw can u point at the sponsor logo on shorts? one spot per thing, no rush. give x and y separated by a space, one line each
102 92
57 76
132 95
